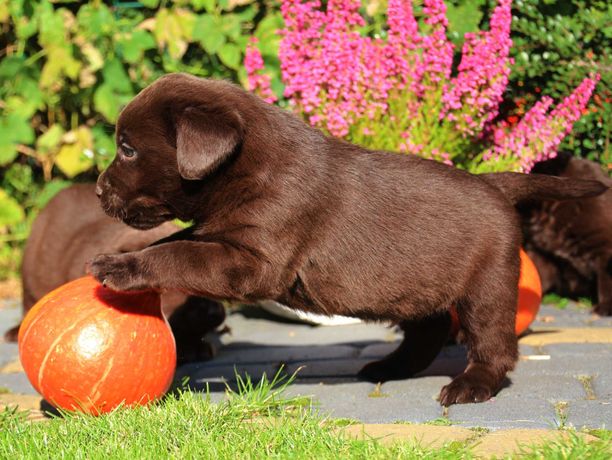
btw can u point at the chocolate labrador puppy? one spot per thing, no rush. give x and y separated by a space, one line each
72 229
284 212
571 241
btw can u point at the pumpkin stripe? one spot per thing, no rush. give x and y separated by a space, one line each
51 349
48 300
94 395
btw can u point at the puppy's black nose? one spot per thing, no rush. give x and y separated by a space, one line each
98 190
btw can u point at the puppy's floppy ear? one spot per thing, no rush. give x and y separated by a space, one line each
204 140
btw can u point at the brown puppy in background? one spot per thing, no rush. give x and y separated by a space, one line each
72 229
284 212
571 241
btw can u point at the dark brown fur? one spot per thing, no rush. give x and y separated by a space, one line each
283 212
571 241
71 230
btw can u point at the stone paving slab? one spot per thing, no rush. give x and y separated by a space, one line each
16 383
524 384
602 384
590 414
8 352
549 372
505 412
571 316
371 404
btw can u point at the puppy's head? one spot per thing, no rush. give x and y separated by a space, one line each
170 138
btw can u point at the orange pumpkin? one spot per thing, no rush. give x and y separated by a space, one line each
529 297
90 349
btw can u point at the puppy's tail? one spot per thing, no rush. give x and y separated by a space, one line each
520 187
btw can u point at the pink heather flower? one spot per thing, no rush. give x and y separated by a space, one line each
329 69
403 28
571 108
351 84
437 51
538 134
473 96
532 126
258 82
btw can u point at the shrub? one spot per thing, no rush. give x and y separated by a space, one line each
398 91
557 43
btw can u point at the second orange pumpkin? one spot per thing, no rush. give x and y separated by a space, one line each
529 297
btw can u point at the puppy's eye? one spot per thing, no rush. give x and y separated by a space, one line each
128 151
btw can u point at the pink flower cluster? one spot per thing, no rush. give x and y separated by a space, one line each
473 96
333 75
537 135
337 77
258 82
397 92
437 50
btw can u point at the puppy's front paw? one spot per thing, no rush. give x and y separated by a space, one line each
465 388
120 272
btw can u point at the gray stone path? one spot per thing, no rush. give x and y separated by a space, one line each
554 384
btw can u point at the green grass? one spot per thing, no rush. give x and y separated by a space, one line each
573 448
563 302
255 422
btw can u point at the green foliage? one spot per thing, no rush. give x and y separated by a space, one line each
67 68
557 43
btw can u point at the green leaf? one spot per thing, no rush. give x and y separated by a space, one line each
30 97
463 18
207 31
150 3
10 66
77 156
50 139
230 55
4 12
51 32
134 46
104 146
248 14
25 28
231 26
19 177
116 77
8 151
208 5
169 32
18 128
10 211
95 19
59 62
267 35
106 103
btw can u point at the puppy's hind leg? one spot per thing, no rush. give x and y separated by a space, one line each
487 317
423 340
